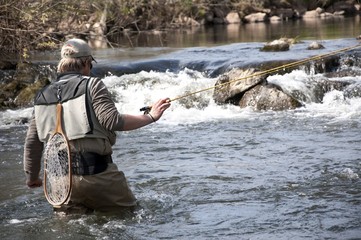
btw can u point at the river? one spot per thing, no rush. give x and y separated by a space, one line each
206 171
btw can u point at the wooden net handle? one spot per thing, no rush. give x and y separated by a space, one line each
58 127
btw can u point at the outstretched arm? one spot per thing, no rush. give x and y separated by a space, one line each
132 122
111 119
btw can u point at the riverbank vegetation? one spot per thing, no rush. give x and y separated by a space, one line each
28 25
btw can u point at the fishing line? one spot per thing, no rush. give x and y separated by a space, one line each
272 70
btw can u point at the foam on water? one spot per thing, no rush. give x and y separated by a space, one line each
137 90
133 91
10 118
21 221
349 174
336 108
297 80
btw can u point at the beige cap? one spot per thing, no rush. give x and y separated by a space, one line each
75 48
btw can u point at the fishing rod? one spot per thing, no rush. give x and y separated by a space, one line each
146 109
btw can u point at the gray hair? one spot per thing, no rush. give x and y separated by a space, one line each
73 64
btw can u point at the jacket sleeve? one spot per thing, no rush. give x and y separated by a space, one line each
33 150
104 107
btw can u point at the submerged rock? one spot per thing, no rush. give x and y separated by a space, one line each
268 97
282 44
231 86
315 46
248 88
353 91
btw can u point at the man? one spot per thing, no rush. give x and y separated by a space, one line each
90 120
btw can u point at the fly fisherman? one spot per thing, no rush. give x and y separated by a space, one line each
90 121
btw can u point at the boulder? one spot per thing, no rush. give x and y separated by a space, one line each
326 15
324 65
255 17
339 13
275 19
353 91
315 46
232 85
233 17
276 46
326 85
268 97
183 20
313 13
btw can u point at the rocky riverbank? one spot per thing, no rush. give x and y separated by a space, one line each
34 25
280 11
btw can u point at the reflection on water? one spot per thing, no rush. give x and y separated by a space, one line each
311 29
150 44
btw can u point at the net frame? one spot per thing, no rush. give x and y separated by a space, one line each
57 165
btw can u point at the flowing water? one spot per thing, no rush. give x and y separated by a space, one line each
206 171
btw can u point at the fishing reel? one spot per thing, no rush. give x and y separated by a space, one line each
145 109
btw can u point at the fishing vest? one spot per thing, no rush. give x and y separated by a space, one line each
78 117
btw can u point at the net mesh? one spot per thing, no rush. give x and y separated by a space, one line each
57 177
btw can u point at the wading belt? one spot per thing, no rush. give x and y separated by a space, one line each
89 163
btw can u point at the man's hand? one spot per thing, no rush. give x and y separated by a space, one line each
36 183
159 107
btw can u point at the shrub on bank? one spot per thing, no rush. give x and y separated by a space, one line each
41 25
